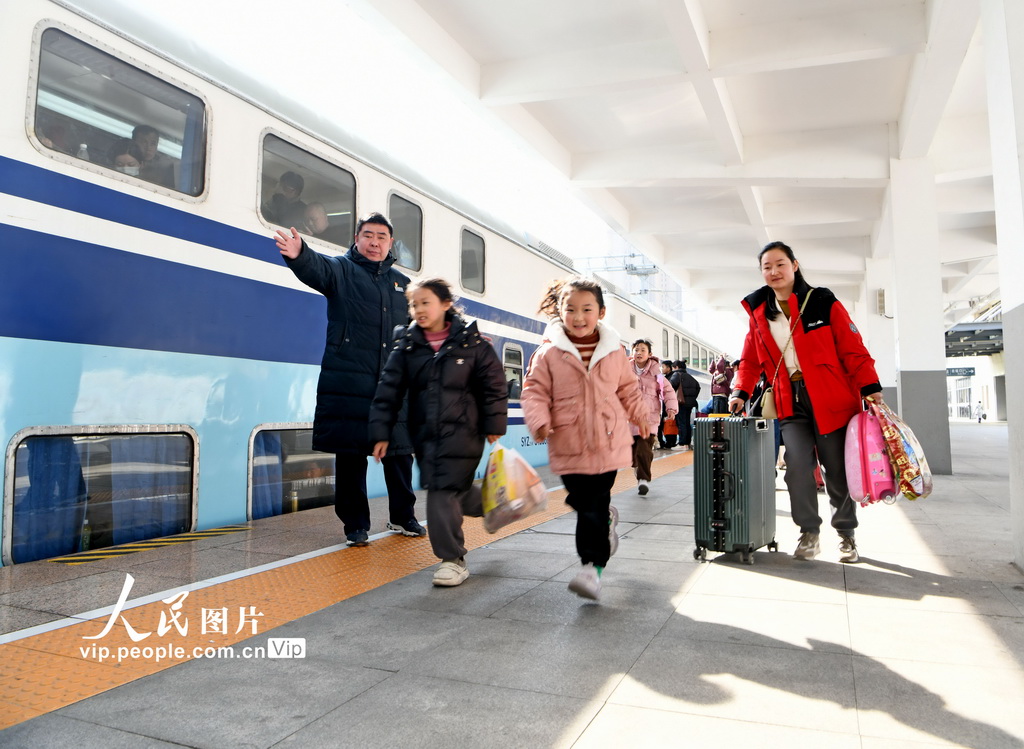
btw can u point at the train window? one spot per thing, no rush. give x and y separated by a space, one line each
632 321
684 349
664 342
512 356
86 489
285 473
676 341
306 192
472 267
97 108
407 218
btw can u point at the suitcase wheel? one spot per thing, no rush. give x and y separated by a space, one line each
773 546
700 554
747 556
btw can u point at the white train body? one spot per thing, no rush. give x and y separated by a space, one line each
158 361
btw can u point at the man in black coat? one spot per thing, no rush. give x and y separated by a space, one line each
365 302
687 391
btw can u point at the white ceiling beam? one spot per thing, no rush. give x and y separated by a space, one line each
833 207
424 36
584 72
956 277
688 219
854 157
872 34
687 28
952 25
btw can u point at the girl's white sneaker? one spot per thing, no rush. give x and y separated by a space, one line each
586 584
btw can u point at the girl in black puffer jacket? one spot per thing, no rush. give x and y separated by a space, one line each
457 398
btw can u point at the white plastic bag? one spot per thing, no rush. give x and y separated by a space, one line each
512 489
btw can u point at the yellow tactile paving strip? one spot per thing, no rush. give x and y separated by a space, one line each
45 672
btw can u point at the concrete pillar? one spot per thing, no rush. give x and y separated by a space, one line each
917 283
1002 26
879 329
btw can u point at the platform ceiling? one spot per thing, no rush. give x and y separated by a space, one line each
703 129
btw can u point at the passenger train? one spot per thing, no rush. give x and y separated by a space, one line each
158 361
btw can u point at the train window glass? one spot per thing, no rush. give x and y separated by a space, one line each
512 356
92 106
407 218
304 191
632 321
664 342
684 349
74 492
286 474
472 266
676 341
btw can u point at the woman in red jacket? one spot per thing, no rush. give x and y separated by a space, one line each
804 341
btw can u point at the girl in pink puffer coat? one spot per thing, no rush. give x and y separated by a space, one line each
580 394
655 390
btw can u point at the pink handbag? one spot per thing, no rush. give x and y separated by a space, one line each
869 474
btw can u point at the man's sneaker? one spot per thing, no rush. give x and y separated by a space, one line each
409 528
848 549
358 538
642 487
613 537
452 572
807 547
587 584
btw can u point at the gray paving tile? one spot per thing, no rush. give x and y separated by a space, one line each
618 726
74 596
206 563
584 662
631 547
718 618
529 540
479 595
499 561
565 524
679 534
289 544
774 576
219 704
898 586
13 618
937 636
769 682
1014 593
56 731
377 637
416 712
651 574
626 609
913 701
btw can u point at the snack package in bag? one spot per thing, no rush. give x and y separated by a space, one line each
512 489
908 462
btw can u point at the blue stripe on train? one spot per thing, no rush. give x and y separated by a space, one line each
61 191
58 289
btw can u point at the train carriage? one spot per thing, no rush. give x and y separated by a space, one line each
158 362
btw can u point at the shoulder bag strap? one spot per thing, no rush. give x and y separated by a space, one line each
789 340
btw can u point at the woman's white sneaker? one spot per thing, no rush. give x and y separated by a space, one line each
452 572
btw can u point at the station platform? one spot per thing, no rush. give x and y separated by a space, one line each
919 645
